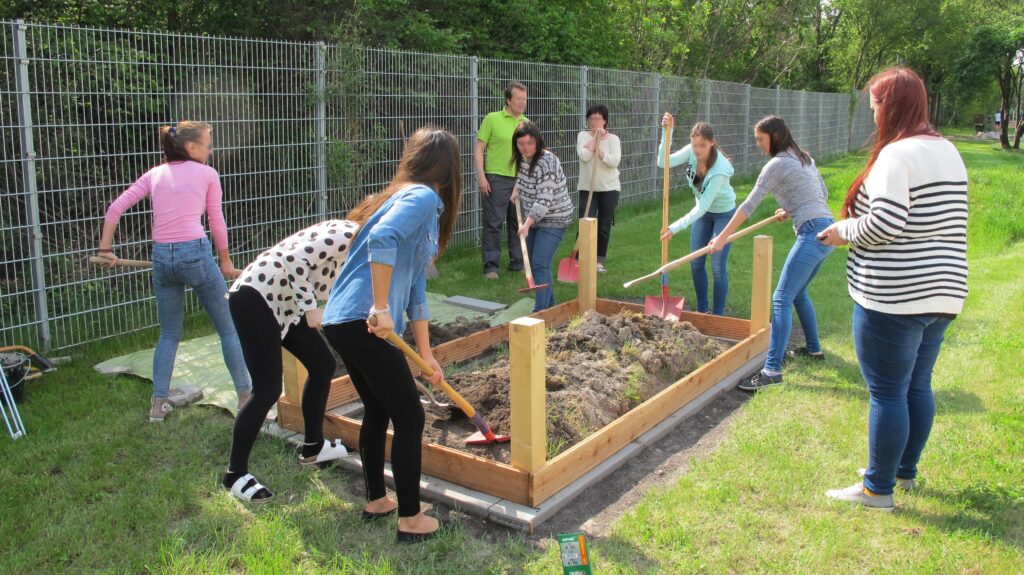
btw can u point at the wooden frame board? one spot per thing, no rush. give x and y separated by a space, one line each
544 479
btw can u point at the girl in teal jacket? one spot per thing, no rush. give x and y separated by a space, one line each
708 172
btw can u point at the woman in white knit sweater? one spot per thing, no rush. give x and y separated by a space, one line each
906 223
600 153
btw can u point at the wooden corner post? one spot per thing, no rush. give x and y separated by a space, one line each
527 356
761 286
294 376
588 264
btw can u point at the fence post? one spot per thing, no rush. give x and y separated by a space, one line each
28 176
474 120
321 130
822 136
778 101
583 96
707 100
851 117
746 130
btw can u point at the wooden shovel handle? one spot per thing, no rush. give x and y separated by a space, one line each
122 263
522 243
701 252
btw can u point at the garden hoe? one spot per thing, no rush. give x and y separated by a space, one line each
530 285
483 437
701 252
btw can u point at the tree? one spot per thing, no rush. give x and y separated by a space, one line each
995 52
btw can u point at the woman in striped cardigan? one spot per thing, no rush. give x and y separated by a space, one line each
906 223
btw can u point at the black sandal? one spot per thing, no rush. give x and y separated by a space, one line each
370 516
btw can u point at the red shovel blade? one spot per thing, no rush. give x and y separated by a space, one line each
667 308
479 438
569 269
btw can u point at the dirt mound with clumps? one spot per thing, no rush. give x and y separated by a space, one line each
598 368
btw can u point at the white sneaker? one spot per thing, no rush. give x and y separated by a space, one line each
856 493
330 451
904 484
601 269
159 407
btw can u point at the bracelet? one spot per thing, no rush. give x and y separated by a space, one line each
375 312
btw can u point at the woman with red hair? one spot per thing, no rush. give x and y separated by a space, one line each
906 223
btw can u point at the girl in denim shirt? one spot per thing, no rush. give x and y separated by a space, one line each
404 228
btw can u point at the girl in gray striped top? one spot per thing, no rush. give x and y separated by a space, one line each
906 223
793 179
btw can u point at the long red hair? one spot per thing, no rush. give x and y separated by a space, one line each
901 111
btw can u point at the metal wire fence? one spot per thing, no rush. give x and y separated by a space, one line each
303 131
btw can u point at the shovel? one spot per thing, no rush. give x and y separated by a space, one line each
530 285
121 263
663 270
569 268
483 437
664 306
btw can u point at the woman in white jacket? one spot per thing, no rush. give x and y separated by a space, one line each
599 175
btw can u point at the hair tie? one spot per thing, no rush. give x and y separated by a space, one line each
174 131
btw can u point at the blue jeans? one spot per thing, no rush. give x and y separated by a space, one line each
706 227
175 267
896 355
541 244
802 264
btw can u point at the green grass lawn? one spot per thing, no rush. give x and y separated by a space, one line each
93 487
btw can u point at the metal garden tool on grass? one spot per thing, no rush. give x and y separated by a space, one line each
482 437
530 285
701 252
664 306
569 268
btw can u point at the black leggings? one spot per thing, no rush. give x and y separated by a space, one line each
603 208
382 378
260 335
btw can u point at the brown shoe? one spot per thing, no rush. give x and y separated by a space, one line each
159 407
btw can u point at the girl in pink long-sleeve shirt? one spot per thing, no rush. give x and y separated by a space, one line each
181 190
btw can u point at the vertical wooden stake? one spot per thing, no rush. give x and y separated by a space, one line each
588 264
761 291
527 355
294 377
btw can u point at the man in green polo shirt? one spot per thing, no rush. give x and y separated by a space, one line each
494 140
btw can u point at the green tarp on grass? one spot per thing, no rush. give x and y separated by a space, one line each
200 363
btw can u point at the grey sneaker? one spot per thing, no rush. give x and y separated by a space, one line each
158 408
856 493
243 396
491 275
907 485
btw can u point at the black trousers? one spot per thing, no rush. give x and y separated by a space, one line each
382 378
260 335
602 207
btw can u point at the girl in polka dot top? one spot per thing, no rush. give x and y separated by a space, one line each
274 305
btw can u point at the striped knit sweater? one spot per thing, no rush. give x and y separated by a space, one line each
544 194
908 243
